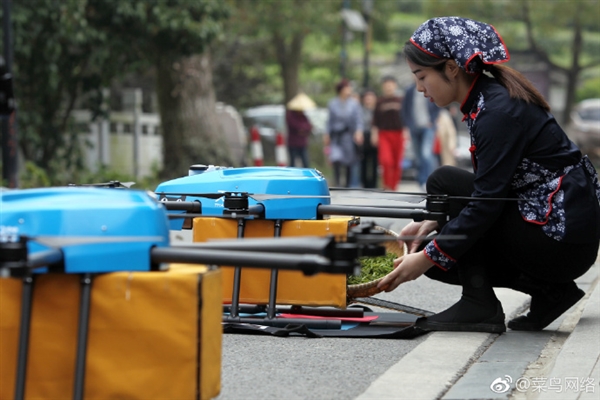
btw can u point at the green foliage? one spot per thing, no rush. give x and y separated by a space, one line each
57 56
241 72
591 89
65 51
262 18
33 176
488 11
402 25
410 6
247 68
158 28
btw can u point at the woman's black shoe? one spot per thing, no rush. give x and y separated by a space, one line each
466 316
546 307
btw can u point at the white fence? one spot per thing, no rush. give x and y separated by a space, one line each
131 142
128 141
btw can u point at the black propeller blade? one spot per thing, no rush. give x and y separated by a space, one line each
109 184
415 197
257 197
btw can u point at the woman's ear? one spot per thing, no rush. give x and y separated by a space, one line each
452 69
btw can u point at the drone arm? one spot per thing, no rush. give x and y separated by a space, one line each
190 206
24 267
362 211
45 258
293 245
307 263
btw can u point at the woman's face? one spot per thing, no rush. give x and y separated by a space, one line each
433 85
346 91
369 100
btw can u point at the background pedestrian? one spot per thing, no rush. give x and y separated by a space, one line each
446 137
299 128
344 133
369 159
420 115
387 133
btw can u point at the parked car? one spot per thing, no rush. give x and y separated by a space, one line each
270 119
584 128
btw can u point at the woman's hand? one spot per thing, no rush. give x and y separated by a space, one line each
406 268
374 137
422 228
358 137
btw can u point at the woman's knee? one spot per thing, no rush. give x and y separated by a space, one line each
450 180
440 178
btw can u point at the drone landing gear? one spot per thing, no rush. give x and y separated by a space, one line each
82 335
15 262
25 324
281 316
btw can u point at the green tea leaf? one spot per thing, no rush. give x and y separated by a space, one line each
373 268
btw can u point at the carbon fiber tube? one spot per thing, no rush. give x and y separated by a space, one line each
191 206
291 245
384 212
307 263
45 258
24 329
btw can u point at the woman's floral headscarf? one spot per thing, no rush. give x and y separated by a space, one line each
462 40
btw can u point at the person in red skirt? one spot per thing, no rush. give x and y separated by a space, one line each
387 133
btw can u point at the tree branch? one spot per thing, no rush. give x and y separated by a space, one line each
533 45
591 64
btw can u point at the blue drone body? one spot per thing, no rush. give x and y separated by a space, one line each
97 229
295 192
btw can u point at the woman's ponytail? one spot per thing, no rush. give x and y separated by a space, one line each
518 86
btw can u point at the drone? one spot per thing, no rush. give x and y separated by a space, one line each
84 230
280 194
286 193
68 230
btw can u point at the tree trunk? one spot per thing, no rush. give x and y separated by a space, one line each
575 70
289 58
572 72
190 129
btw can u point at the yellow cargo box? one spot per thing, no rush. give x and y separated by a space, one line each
151 335
293 288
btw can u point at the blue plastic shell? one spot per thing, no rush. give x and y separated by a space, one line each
256 180
102 230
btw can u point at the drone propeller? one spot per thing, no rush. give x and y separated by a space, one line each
257 197
406 197
217 195
417 197
363 234
64 241
417 213
109 184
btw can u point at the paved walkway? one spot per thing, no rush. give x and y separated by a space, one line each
560 362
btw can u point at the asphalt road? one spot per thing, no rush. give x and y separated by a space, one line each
265 367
